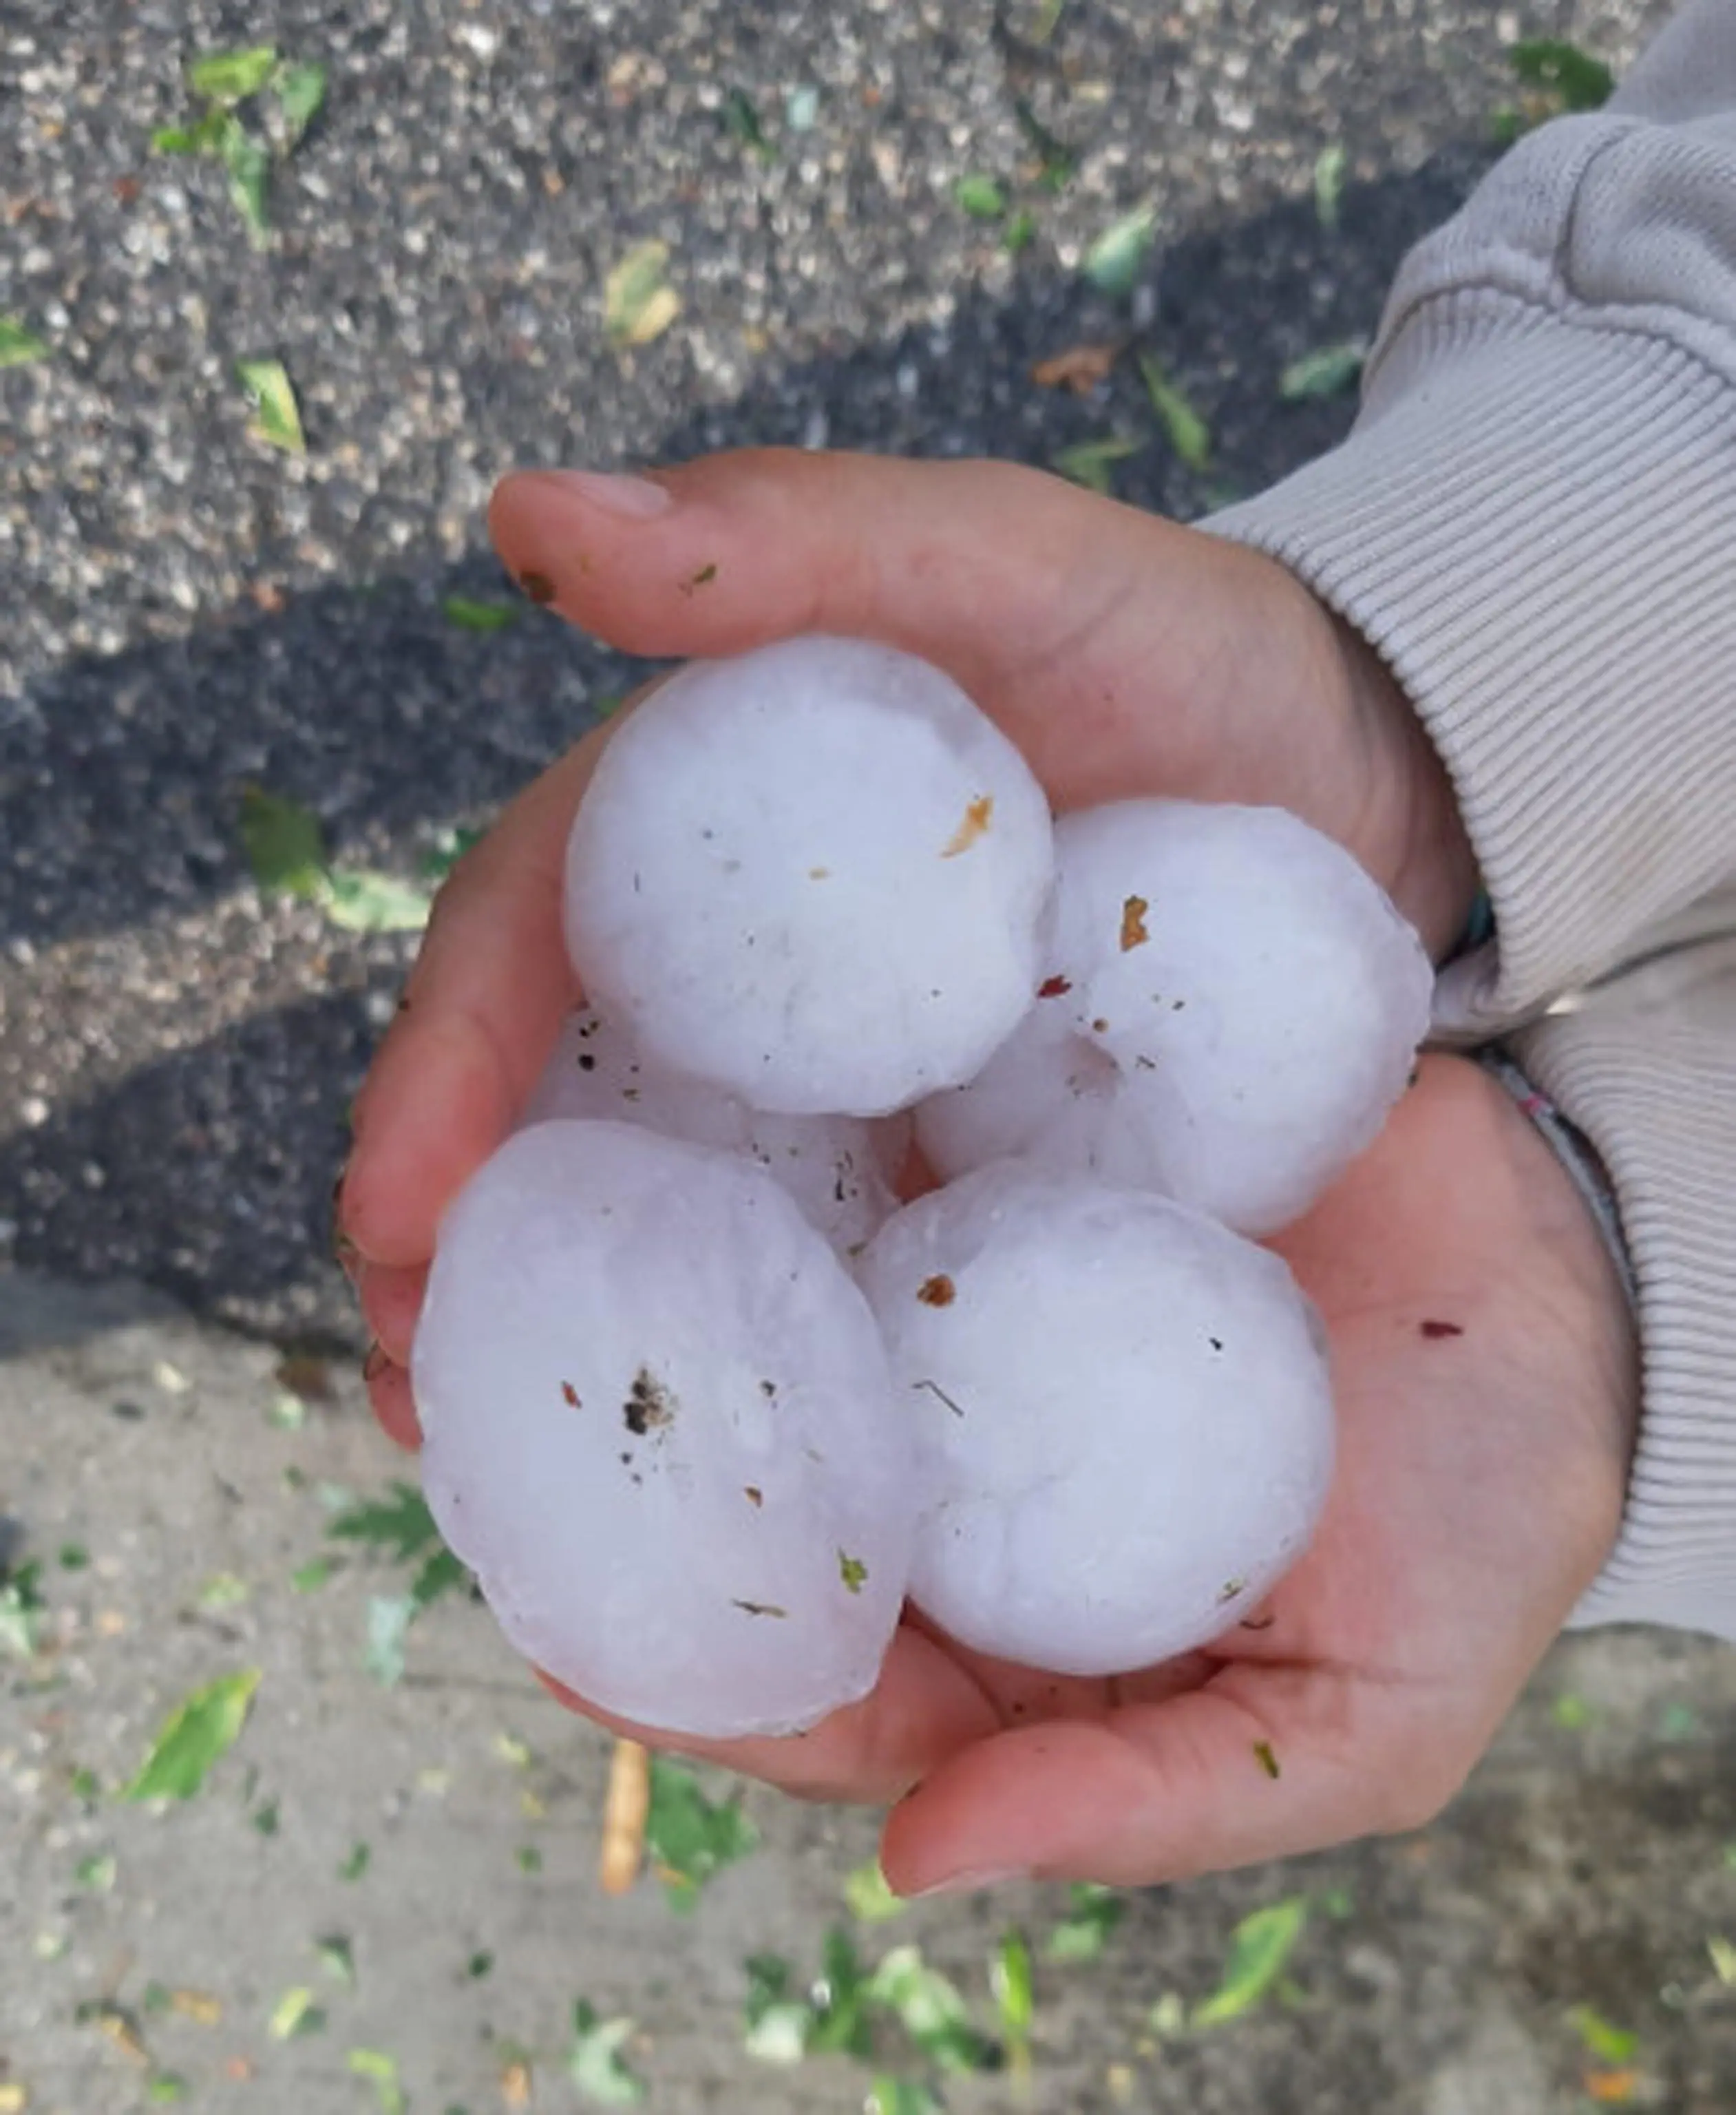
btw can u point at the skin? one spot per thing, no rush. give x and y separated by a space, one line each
1482 1464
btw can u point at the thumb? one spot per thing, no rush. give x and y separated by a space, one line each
1067 616
1263 1763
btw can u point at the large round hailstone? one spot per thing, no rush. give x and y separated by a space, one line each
1126 1414
658 1425
1229 1009
812 875
840 1170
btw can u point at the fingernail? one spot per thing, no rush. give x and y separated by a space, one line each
376 1362
966 1884
634 498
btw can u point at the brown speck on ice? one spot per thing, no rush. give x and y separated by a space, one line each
1053 987
768 1388
934 1388
1437 1329
754 1495
649 1406
975 823
759 1607
937 1292
586 1062
819 873
1133 934
569 1396
1100 1026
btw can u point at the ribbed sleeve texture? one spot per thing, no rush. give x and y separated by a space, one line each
1654 1090
1534 522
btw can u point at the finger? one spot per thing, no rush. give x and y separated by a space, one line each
480 1014
1261 1762
391 1299
390 1398
924 1707
1062 613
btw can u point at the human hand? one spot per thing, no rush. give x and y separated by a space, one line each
1125 656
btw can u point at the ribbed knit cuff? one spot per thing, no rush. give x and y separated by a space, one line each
1534 524
1655 1093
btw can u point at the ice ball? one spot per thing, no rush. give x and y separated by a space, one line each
840 1170
1228 1008
812 875
658 1425
1126 1420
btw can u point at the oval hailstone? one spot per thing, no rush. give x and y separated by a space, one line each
812 875
840 1170
1125 1416
1230 1007
658 1426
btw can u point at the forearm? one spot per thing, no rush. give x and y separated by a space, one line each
1534 521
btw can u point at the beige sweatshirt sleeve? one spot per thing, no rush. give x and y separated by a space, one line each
1534 522
1534 519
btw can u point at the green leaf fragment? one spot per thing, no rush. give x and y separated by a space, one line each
247 164
1722 1954
85 1785
1259 1946
1093 1914
22 1610
299 87
839 2000
195 1735
871 1899
295 2013
223 1590
448 848
1330 167
231 77
1608 2043
440 1574
336 1956
389 1618
741 122
356 1863
889 2095
74 1557
362 901
639 304
401 1525
1328 372
1019 233
1577 81
470 614
478 1966
309 1577
1057 160
202 138
1571 1713
1188 434
97 1872
1010 1982
529 1858
285 849
689 1837
981 197
596 2065
165 2087
932 2011
1114 261
273 397
1089 463
853 1572
264 1819
18 346
776 2024
382 2071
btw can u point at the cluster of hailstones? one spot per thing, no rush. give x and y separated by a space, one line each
704 1403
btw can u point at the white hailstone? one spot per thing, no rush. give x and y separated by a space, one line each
840 1170
658 1425
1229 1009
1128 1419
813 875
